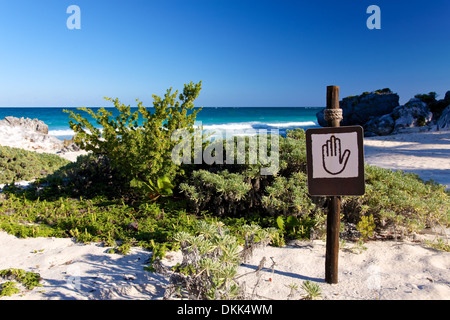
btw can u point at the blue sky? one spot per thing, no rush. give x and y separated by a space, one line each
246 52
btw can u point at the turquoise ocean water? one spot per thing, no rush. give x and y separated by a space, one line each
234 120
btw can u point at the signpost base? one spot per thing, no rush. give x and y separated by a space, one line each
332 246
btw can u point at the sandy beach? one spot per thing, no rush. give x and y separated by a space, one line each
424 153
385 270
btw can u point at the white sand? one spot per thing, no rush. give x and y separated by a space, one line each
386 270
72 270
424 153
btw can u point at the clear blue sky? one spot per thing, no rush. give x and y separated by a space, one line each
246 52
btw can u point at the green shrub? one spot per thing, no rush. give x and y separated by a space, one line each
427 98
90 176
239 189
288 196
8 289
436 106
382 91
366 227
222 190
140 153
398 203
19 164
211 257
421 121
29 279
312 290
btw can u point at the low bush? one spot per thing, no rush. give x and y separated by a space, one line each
400 203
19 164
90 176
114 222
396 203
239 190
29 279
211 257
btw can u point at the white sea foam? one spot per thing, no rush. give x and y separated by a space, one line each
254 125
292 124
237 128
57 133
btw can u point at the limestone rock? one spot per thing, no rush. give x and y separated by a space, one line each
29 134
357 110
380 126
447 96
26 123
415 113
444 121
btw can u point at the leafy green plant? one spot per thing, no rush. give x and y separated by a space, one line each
427 98
366 226
312 290
163 187
89 176
29 279
288 196
94 220
236 190
224 191
385 90
139 152
210 261
8 289
400 203
421 121
438 244
294 227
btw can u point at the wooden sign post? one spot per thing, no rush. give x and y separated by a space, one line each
335 164
333 115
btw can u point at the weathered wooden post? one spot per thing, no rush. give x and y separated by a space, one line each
333 115
335 167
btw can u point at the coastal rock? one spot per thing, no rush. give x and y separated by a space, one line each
447 96
415 113
444 121
29 134
381 126
357 110
70 148
26 123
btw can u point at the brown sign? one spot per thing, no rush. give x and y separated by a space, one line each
335 161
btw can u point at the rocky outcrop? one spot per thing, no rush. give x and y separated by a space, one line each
380 126
357 110
27 124
380 114
415 113
444 120
29 134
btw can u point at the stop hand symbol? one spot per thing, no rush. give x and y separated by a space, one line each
333 161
